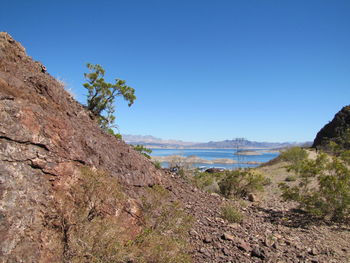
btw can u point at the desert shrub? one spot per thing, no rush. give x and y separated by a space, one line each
345 156
92 232
231 214
166 229
85 219
291 178
241 182
143 150
208 182
117 135
203 180
157 164
323 189
294 156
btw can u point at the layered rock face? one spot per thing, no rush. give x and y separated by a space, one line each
337 130
46 137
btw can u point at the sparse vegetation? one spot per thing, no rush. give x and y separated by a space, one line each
291 178
92 221
231 214
239 183
206 181
166 229
324 187
117 135
143 150
157 164
294 156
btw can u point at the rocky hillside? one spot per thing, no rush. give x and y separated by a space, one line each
46 137
337 130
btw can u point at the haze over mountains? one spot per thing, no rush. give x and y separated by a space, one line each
153 142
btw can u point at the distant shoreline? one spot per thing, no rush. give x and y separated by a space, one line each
214 148
195 160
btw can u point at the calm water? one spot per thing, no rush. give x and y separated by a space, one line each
210 154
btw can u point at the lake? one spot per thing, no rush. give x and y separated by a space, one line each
210 154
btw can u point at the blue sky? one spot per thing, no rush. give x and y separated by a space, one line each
267 70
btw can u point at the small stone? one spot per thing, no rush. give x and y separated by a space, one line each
193 233
233 225
202 250
288 243
228 236
219 219
278 236
207 239
252 197
226 251
258 252
269 242
244 246
313 251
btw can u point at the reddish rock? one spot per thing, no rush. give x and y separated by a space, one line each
45 139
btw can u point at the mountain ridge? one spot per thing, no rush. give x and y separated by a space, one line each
154 142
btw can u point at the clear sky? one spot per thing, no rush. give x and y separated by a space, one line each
266 70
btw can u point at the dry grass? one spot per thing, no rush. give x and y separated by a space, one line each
95 227
231 214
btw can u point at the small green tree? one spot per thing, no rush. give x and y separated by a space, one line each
101 95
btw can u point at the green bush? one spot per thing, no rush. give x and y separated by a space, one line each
206 181
294 156
117 135
323 189
345 156
241 182
157 164
143 150
231 214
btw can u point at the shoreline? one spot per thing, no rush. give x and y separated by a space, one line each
213 148
195 160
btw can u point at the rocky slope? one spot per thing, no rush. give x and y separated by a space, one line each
271 230
336 130
45 139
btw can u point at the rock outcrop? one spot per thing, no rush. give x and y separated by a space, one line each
337 130
46 137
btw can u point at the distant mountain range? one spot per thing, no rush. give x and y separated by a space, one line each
153 142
